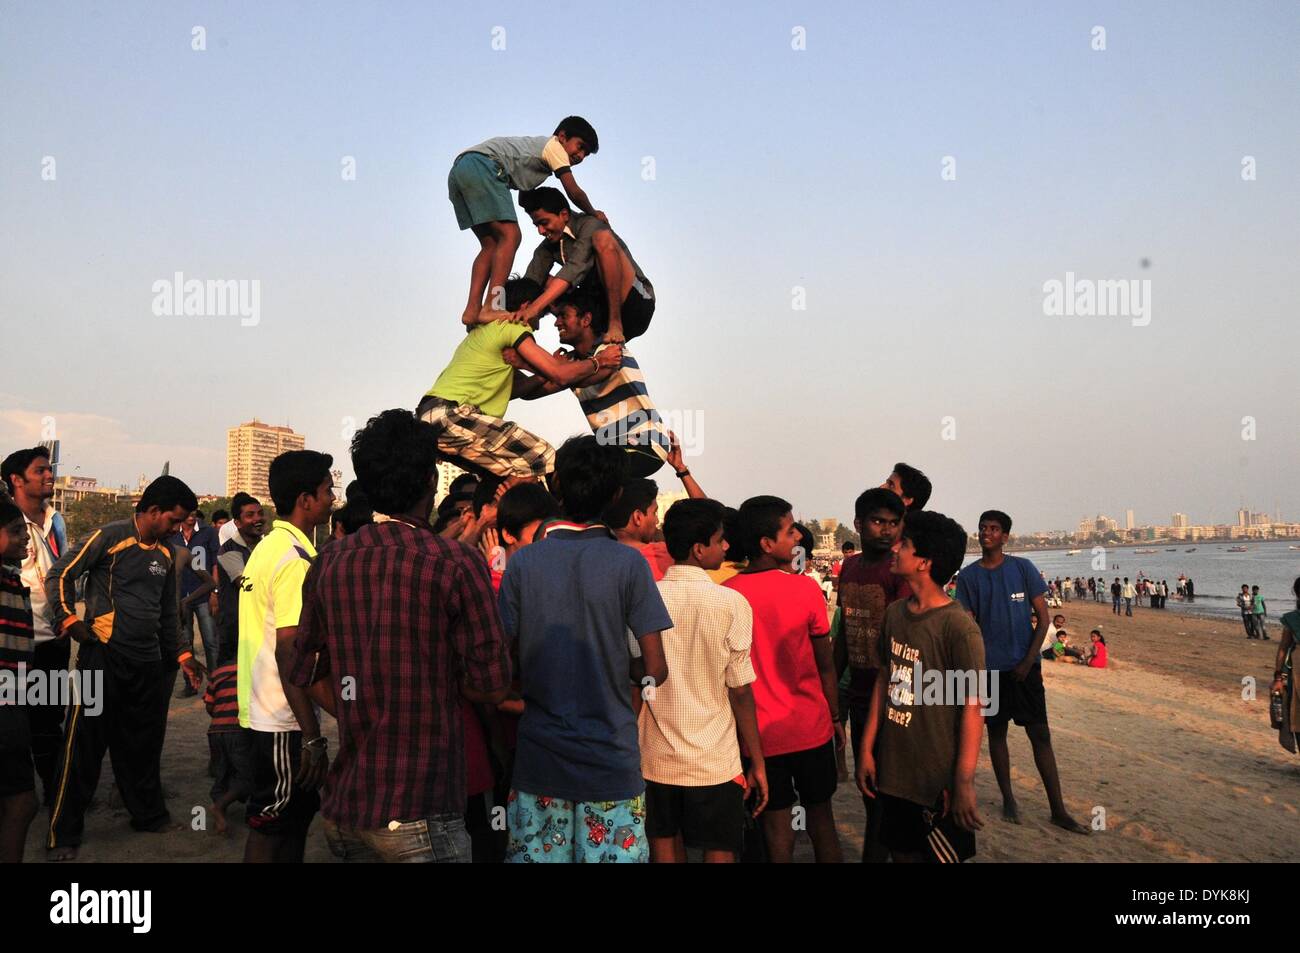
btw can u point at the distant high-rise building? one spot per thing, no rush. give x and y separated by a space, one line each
1180 521
1128 519
250 448
1243 517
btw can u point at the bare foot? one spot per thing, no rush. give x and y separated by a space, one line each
469 317
56 854
164 827
1010 812
1066 822
218 819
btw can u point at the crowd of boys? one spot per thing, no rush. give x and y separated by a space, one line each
542 669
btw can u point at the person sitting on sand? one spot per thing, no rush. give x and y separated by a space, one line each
1097 658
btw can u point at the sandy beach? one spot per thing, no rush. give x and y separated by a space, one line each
1185 769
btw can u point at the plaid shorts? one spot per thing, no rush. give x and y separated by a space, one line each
487 443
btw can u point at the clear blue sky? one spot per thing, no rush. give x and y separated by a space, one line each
775 168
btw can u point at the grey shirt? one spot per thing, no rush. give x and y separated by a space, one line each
528 161
575 254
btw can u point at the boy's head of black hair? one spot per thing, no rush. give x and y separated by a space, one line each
915 484
297 472
937 538
848 548
522 504
638 494
546 199
520 291
688 522
239 501
731 533
588 475
759 518
167 493
395 459
997 516
877 498
577 126
220 516
806 540
351 517
484 493
9 512
577 311
16 464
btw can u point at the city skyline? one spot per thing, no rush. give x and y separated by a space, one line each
852 261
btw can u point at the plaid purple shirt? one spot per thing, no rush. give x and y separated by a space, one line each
406 614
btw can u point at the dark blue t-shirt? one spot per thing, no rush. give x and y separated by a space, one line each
570 600
203 547
1002 601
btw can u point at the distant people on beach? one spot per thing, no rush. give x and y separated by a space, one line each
1253 611
1129 593
1116 591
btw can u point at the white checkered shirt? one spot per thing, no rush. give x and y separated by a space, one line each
687 731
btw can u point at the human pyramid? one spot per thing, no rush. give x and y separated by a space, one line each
599 296
500 676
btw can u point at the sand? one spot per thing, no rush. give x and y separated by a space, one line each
1162 740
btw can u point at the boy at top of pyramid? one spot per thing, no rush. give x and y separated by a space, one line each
479 187
468 400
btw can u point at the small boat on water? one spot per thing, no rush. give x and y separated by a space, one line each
1193 549
1172 549
1237 549
1075 552
1145 552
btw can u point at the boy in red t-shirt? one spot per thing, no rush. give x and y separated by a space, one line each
796 689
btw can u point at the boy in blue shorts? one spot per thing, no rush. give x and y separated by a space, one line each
567 603
479 187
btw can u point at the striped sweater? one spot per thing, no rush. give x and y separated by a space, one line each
16 637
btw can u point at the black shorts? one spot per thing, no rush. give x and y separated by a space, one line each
232 757
909 828
17 775
636 313
809 777
708 818
1025 702
277 805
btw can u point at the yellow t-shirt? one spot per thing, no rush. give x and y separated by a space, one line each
477 373
270 598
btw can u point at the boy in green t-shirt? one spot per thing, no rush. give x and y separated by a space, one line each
922 739
468 400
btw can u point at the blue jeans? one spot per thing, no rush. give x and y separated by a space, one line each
207 631
1128 606
439 839
1114 604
